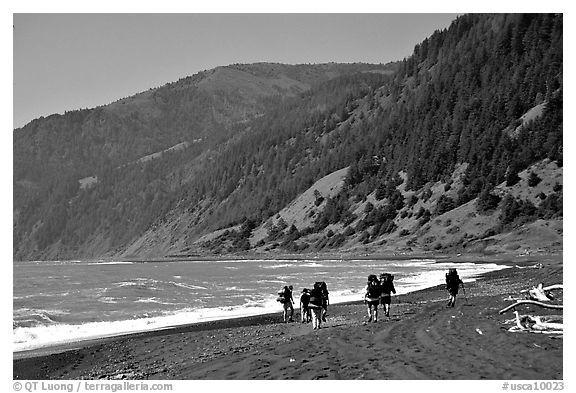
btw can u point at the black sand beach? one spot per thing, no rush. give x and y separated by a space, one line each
422 339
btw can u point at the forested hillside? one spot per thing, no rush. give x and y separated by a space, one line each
52 213
444 136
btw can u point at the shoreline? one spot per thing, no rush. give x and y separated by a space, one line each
345 256
234 348
77 343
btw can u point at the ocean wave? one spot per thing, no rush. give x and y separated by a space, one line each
141 283
294 265
235 288
187 286
277 266
35 317
25 338
25 296
311 264
108 300
204 303
154 300
270 281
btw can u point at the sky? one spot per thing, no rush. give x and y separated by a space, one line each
72 61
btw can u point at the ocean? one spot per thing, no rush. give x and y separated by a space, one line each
59 302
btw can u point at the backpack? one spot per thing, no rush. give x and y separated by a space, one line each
452 278
316 295
373 287
281 295
387 282
321 287
386 277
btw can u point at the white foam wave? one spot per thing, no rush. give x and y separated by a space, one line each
277 266
235 288
154 300
107 299
24 297
36 316
271 281
148 283
311 264
468 272
26 338
187 286
294 265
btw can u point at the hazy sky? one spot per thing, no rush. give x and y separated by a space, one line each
71 61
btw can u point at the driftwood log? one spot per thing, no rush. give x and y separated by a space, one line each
541 293
519 302
537 325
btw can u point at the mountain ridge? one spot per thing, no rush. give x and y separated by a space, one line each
433 135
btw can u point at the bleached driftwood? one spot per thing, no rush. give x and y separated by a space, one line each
552 287
551 324
519 302
541 293
537 324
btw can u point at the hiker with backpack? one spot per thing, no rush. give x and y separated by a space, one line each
453 283
316 305
372 297
304 306
387 289
285 297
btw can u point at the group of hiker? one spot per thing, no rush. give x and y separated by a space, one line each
313 304
378 291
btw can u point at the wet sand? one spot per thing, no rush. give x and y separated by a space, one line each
422 339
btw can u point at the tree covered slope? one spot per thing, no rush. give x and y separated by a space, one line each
439 142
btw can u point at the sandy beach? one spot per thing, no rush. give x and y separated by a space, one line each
422 339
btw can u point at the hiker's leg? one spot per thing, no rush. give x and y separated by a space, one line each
316 318
291 312
376 313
